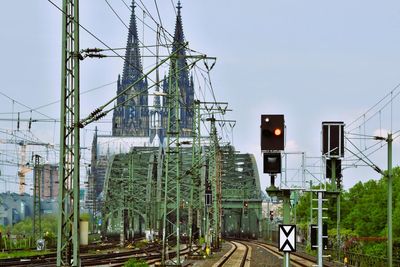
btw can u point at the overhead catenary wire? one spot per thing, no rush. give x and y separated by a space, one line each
90 33
145 10
58 101
97 38
392 97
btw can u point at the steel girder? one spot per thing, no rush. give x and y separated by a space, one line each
241 191
129 189
135 183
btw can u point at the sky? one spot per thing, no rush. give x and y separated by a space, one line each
310 60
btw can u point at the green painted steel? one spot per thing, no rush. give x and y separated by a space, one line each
196 202
390 202
215 180
239 183
172 186
286 220
128 188
68 216
37 222
234 180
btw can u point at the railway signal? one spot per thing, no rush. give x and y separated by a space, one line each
272 132
314 236
333 139
272 163
272 143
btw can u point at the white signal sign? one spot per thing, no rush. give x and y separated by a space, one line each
287 238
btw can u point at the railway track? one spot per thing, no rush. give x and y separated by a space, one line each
87 260
238 256
295 259
151 255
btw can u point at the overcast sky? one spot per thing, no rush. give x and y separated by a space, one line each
312 61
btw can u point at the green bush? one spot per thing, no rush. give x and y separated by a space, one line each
136 263
141 244
377 250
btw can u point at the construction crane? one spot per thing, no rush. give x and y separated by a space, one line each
23 165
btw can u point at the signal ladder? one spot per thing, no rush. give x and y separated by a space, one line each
318 232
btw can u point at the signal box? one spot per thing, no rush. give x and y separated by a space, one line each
272 132
338 164
314 236
333 139
272 163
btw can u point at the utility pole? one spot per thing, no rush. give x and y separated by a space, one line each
389 141
172 167
195 201
68 195
37 223
319 238
215 162
286 220
311 214
390 197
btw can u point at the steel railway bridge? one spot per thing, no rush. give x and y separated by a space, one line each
134 195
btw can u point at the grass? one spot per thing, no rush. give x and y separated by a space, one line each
22 254
136 263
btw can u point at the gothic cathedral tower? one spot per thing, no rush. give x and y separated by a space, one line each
185 81
132 117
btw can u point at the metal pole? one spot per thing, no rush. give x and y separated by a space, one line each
286 220
390 196
333 178
268 220
335 188
311 214
37 224
320 247
177 164
295 207
172 166
68 199
121 227
338 224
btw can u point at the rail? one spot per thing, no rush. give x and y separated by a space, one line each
237 256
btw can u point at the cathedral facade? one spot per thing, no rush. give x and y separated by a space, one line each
133 117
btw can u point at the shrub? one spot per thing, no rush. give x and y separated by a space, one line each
136 263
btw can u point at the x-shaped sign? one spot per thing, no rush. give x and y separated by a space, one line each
287 238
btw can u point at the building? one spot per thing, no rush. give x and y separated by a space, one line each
134 124
15 207
49 181
184 82
131 118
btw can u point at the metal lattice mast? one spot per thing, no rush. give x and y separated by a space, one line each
68 199
171 209
37 223
214 172
151 195
194 201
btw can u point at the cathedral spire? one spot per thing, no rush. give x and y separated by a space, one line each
179 37
132 119
183 80
133 66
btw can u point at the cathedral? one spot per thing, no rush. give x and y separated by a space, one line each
134 118
134 123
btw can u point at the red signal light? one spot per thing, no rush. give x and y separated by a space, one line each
277 132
